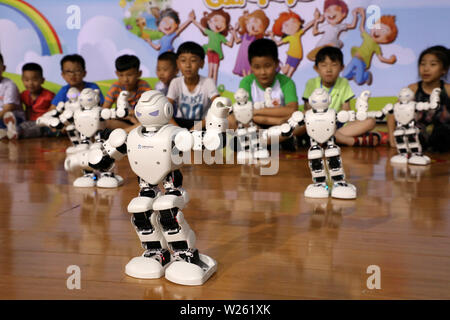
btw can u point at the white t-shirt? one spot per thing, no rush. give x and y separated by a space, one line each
161 87
8 93
192 105
331 35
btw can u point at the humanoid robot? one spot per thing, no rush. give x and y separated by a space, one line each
406 133
153 151
247 131
320 124
89 121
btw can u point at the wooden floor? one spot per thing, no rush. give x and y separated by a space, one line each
270 242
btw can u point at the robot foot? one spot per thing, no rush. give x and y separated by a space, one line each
191 268
317 190
151 265
420 160
243 157
87 181
109 180
399 159
343 190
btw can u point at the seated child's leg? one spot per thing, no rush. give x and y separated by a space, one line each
347 134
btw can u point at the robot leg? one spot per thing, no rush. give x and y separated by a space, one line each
74 137
417 158
190 267
173 185
402 147
244 153
319 188
258 144
156 257
341 189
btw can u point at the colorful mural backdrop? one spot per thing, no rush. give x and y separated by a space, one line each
381 39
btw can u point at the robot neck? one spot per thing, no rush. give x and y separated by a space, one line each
152 128
320 110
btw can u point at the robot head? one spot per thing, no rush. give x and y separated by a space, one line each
153 109
73 94
406 95
241 96
319 100
89 98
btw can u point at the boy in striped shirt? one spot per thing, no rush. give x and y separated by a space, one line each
128 74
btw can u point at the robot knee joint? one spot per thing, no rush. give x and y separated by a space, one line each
334 162
316 164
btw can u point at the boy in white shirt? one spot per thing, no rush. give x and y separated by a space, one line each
9 101
191 93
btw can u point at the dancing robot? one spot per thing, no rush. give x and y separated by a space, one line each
406 133
247 134
153 151
89 121
320 124
62 118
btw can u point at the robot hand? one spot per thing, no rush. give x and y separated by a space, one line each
258 105
216 119
389 108
435 98
77 161
184 141
66 117
122 105
268 102
362 105
107 113
346 116
60 107
49 119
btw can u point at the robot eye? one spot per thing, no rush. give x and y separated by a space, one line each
314 101
138 114
324 100
90 99
154 113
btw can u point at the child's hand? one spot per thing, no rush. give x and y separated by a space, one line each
393 59
192 15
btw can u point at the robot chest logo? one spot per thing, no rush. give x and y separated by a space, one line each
140 146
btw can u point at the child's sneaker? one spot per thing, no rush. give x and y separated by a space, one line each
11 124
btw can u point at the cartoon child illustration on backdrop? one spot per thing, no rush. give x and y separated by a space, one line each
384 31
169 24
334 12
215 26
250 27
288 26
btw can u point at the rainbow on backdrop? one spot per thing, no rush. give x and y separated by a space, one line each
47 36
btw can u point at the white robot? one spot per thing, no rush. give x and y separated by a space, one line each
153 151
406 133
62 117
320 124
247 131
89 121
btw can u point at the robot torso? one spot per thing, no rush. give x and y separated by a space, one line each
87 122
404 113
320 126
150 154
243 114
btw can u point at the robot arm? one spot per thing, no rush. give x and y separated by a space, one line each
50 119
113 149
286 129
268 102
344 116
434 101
121 111
216 123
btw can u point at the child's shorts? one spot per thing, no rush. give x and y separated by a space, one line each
293 62
213 57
